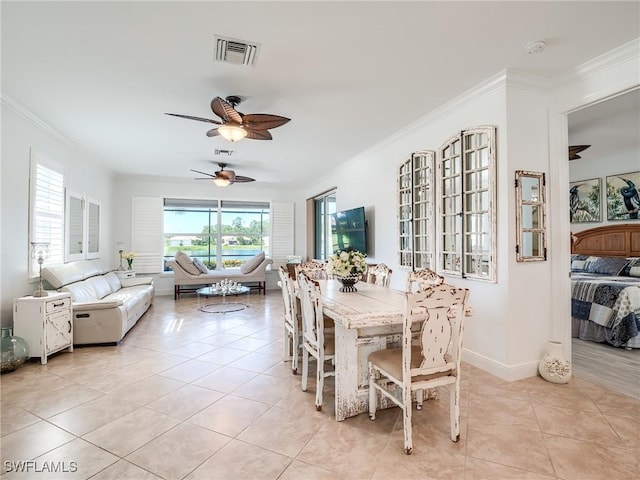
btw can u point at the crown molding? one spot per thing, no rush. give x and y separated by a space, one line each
626 52
13 105
528 81
487 87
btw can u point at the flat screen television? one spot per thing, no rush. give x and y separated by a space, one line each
349 230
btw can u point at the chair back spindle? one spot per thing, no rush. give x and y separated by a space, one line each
314 341
291 318
423 279
380 274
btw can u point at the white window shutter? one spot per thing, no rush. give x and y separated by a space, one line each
147 234
282 229
46 209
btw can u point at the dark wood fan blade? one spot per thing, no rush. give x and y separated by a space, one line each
213 132
242 179
225 110
212 175
199 119
259 134
575 149
263 121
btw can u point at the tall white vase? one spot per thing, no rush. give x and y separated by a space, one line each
553 366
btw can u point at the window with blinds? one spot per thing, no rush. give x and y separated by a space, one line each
146 234
282 232
46 210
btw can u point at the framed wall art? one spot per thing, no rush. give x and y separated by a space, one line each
584 201
623 199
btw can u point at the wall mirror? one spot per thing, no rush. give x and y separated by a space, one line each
531 241
75 226
93 229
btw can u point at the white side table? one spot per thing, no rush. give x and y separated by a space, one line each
125 274
45 323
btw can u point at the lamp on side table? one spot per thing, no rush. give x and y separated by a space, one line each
40 252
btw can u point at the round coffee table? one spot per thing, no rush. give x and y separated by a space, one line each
223 307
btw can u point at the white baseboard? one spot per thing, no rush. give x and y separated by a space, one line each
509 373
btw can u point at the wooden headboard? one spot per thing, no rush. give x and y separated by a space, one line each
621 240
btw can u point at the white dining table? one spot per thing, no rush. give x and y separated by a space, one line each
367 320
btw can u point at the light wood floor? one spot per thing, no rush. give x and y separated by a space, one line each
614 368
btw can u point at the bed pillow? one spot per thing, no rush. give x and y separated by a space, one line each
251 264
186 263
200 266
607 265
632 268
579 263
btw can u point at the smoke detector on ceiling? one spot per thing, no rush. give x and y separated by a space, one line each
535 47
238 52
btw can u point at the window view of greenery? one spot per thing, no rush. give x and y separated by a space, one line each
323 206
225 234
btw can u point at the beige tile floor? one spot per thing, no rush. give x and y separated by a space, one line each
198 395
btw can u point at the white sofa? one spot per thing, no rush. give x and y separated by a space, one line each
104 307
191 277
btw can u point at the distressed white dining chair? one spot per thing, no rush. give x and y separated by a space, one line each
432 361
292 320
422 279
379 275
315 342
313 270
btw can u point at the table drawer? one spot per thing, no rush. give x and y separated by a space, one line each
57 305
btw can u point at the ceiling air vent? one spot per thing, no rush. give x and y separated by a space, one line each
238 52
223 152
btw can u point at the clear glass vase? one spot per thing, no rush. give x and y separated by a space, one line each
15 350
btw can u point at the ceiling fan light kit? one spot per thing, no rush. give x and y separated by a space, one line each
233 133
221 182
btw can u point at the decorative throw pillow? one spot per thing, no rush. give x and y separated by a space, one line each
186 263
632 268
251 264
200 266
607 265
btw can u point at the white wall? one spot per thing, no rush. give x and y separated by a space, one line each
21 131
499 335
528 283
